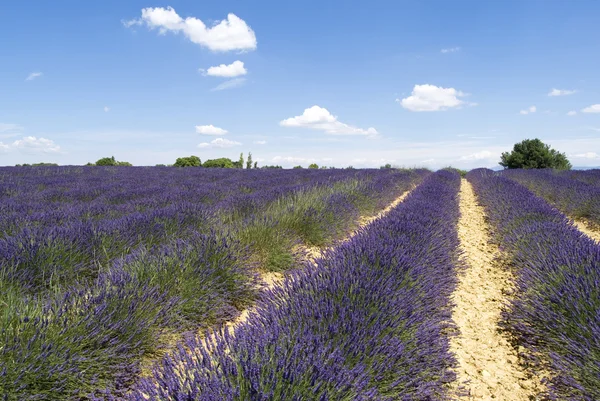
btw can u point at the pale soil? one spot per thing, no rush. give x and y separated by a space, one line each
587 229
488 366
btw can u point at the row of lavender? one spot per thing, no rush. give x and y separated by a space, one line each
555 312
575 193
369 322
88 283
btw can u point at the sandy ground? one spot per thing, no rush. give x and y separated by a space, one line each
488 365
587 230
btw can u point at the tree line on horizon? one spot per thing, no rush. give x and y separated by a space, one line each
527 154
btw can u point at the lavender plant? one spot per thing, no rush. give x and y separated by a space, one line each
554 312
370 322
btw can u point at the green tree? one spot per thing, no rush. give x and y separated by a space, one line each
240 162
223 162
388 165
124 164
296 167
533 153
249 161
255 164
313 165
190 161
106 161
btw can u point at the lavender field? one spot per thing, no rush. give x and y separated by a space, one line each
124 283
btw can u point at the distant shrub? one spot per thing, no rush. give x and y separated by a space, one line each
109 161
191 161
313 165
533 153
222 162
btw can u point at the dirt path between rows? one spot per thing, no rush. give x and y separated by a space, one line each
584 228
488 366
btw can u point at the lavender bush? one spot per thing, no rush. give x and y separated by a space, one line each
96 263
370 322
555 312
573 197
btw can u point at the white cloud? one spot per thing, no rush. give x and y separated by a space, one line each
229 34
530 110
31 144
561 92
571 113
260 142
432 98
234 69
232 83
291 159
450 50
210 130
483 155
4 147
587 155
428 161
106 109
10 127
219 143
595 108
33 76
319 118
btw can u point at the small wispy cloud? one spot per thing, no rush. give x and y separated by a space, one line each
595 108
530 110
33 76
210 130
232 83
234 69
450 50
219 143
572 113
260 142
106 109
561 92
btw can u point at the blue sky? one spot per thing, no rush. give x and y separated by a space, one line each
411 83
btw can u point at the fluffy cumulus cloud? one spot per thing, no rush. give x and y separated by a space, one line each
432 98
571 113
530 110
234 69
483 155
595 108
450 50
31 144
210 130
33 76
229 34
561 92
319 118
219 143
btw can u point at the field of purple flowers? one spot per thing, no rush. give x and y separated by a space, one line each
369 322
97 263
575 193
555 311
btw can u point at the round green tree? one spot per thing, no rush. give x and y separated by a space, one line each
533 153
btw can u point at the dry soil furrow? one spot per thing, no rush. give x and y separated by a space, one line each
590 232
488 365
